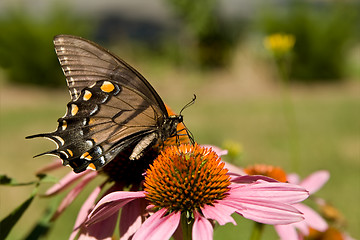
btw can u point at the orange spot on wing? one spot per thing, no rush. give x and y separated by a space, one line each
87 95
86 156
107 87
91 121
70 152
64 125
74 109
91 166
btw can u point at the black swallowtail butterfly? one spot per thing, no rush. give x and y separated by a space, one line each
112 107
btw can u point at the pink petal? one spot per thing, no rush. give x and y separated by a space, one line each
293 178
131 218
69 198
346 236
202 229
264 211
251 179
101 230
220 152
84 236
110 203
270 213
220 213
66 182
234 170
114 188
52 166
85 210
302 227
315 181
158 226
286 232
275 191
312 218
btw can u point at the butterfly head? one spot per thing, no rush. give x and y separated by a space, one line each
176 126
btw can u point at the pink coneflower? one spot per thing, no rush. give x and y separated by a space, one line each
336 221
312 220
189 185
331 233
130 176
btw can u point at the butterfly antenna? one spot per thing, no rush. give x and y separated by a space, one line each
188 104
190 135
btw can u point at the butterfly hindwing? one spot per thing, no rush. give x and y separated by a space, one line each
99 124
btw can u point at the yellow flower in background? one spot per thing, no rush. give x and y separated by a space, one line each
279 43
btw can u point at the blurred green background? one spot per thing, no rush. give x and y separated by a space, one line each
213 49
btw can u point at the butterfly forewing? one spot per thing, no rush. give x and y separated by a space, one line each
112 108
100 124
84 63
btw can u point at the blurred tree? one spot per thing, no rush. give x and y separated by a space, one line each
26 49
324 31
214 37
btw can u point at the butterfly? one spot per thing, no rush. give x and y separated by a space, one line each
112 108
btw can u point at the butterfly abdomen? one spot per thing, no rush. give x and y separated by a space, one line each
142 145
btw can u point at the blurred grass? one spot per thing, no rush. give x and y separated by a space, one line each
241 103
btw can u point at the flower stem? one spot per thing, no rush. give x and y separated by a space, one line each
186 226
257 231
289 113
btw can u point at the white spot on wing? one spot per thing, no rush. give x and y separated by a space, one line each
94 110
89 143
102 160
71 81
60 140
51 154
98 150
54 141
65 153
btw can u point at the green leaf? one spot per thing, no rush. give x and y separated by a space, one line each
43 225
5 180
47 178
43 178
9 222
